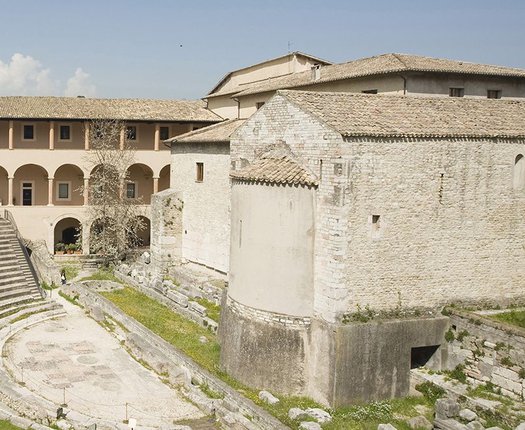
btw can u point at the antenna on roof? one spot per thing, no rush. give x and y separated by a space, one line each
289 46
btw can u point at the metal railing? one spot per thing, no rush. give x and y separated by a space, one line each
36 278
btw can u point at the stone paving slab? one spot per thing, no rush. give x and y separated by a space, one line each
75 358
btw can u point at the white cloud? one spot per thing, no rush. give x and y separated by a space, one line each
79 85
24 75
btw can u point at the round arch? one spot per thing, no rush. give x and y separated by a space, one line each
30 185
4 186
139 232
68 185
67 231
139 183
164 177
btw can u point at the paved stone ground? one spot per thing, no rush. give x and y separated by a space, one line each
75 357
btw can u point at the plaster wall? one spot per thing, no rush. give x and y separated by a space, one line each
206 213
224 106
272 241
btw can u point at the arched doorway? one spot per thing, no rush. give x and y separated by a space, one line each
139 183
68 231
30 186
164 178
68 183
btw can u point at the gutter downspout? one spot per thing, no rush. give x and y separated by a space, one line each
238 106
404 85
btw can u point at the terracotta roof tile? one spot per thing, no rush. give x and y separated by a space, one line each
406 116
220 132
378 65
276 170
89 108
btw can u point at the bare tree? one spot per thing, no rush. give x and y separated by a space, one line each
113 215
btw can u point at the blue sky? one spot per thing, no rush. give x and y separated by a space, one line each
180 49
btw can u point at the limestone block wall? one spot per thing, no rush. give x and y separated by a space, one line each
401 224
206 214
491 352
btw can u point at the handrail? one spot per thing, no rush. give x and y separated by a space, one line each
9 217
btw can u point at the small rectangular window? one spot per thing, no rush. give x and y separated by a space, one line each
164 133
456 92
375 221
131 190
131 132
259 105
200 172
493 94
63 191
28 132
65 132
374 91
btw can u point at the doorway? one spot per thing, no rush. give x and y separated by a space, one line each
27 193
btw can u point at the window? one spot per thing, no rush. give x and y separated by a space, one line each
259 105
456 92
28 132
200 172
374 91
131 190
131 132
518 182
63 191
375 222
64 132
493 94
164 133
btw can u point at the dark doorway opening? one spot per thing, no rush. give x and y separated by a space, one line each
420 356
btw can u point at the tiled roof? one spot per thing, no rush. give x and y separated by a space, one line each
406 116
276 169
379 65
220 132
89 108
217 91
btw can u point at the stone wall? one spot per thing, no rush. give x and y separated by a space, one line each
206 213
401 223
166 230
491 352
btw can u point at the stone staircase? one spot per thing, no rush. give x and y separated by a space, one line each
17 284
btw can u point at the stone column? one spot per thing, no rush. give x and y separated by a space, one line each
122 137
157 137
85 239
86 192
11 134
51 135
86 135
50 191
10 191
155 185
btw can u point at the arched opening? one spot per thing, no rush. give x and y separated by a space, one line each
519 172
164 178
139 232
69 180
68 235
139 183
104 185
4 187
30 186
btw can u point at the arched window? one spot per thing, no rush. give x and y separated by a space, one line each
519 173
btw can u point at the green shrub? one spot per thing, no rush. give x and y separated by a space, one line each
449 335
431 391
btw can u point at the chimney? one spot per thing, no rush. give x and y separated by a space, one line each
316 72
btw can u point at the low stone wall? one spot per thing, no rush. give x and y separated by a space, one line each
491 351
166 359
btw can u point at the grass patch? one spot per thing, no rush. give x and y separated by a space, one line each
213 311
513 317
102 275
173 280
72 300
6 425
71 270
46 286
24 316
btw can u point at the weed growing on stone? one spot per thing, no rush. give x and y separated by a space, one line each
6 425
205 388
506 361
213 311
71 270
458 373
462 335
513 317
72 300
430 391
48 287
102 275
449 335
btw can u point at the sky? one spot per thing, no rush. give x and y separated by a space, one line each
179 49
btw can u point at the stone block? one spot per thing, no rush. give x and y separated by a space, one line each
309 425
196 307
386 427
446 408
297 414
268 397
178 298
420 422
320 415
475 425
98 314
449 424
520 426
468 415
